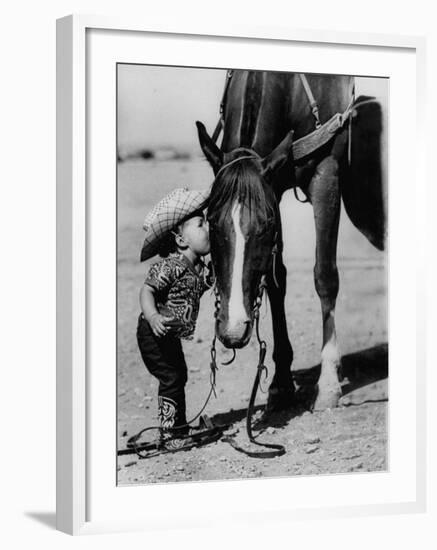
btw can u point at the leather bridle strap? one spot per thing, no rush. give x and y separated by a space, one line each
276 449
252 156
313 103
221 122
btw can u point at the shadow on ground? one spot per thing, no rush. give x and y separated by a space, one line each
359 369
232 416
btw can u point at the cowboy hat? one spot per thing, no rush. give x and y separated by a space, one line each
167 214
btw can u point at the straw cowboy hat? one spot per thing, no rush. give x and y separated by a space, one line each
167 214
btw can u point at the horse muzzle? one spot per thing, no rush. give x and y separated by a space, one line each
236 335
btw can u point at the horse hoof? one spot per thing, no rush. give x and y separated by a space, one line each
327 400
280 399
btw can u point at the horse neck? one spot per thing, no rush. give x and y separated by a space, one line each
255 111
261 107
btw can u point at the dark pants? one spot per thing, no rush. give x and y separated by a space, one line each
164 359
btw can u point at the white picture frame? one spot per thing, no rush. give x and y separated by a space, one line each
75 346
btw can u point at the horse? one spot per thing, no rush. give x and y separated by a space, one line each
264 115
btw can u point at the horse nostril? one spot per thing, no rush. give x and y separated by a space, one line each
247 329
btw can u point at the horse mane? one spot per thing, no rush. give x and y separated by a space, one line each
240 182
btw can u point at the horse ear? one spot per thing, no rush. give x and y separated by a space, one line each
210 149
279 156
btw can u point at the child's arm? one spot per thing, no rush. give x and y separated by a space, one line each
152 315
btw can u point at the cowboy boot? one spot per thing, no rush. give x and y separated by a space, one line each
172 423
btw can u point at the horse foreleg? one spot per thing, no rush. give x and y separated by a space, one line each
325 197
281 390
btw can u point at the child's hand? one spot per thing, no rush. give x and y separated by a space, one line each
157 324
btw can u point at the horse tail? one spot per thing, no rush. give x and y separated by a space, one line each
362 178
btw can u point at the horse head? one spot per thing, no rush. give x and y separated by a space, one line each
244 224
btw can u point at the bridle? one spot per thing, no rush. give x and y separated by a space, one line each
261 370
254 156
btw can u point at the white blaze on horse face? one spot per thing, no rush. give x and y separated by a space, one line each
237 313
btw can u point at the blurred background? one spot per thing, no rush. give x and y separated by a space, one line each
157 107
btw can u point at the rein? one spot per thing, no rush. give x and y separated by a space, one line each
277 449
133 442
221 122
261 369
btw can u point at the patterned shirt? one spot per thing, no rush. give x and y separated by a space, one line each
178 287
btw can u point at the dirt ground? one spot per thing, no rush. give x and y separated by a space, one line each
351 438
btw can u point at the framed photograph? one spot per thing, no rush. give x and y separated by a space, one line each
238 320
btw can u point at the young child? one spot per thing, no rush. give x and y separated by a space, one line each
177 230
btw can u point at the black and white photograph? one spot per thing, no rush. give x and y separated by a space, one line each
219 266
252 274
